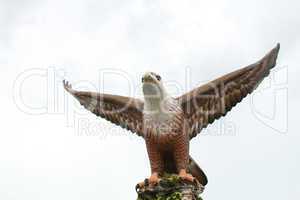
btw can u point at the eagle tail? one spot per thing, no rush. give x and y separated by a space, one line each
197 172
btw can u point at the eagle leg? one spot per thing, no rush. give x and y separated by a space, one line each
156 162
181 155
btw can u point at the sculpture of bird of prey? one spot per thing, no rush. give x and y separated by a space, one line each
168 124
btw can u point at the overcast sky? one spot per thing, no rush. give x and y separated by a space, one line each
51 149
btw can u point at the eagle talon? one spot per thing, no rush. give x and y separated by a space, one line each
137 187
154 179
140 185
146 182
186 177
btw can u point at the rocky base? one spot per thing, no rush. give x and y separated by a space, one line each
171 187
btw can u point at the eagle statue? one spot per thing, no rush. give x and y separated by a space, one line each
166 123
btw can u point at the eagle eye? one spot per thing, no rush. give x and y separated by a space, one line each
158 77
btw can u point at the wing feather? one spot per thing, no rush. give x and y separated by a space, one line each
205 104
123 111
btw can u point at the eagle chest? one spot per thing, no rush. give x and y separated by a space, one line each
163 128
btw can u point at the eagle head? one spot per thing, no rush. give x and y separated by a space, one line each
151 77
153 87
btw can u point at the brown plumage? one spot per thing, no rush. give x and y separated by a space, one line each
168 124
205 104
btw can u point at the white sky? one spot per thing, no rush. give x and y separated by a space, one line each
252 153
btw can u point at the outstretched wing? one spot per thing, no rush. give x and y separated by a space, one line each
123 111
209 102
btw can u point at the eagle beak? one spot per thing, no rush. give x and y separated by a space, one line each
148 78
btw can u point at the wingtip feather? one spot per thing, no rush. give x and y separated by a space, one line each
275 53
67 86
277 48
